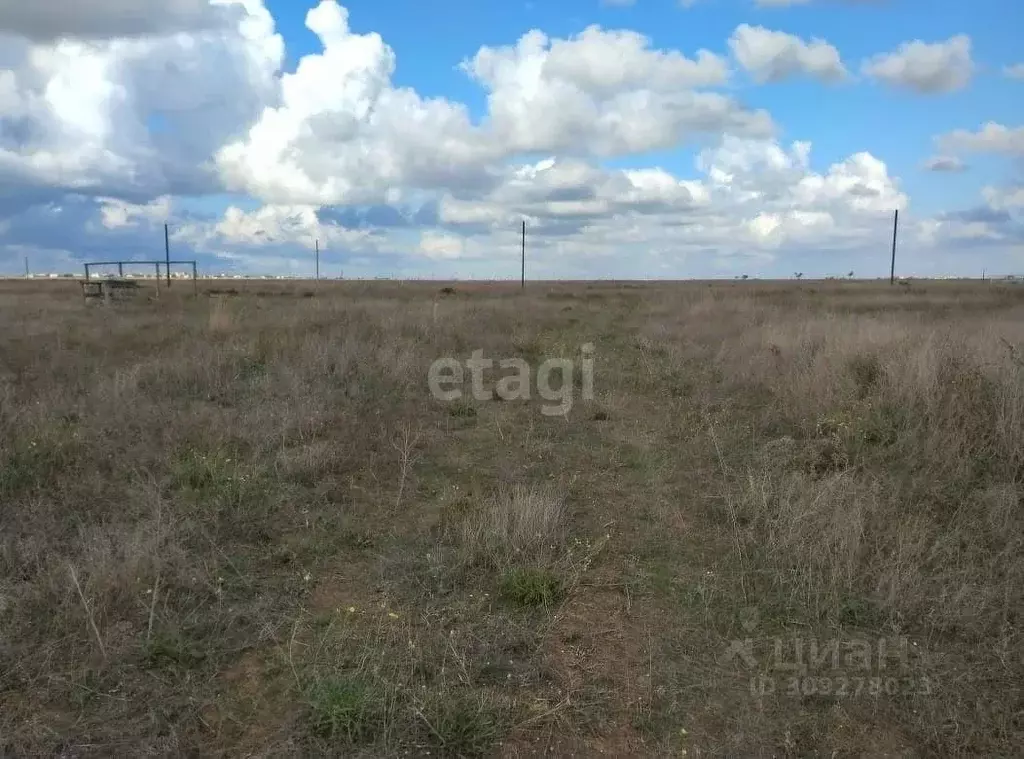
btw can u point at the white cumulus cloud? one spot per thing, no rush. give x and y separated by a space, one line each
771 56
343 133
441 246
604 92
925 67
1003 199
295 226
752 197
990 138
137 115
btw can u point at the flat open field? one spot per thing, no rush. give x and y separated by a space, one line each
789 522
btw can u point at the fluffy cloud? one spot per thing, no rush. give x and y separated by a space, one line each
765 175
292 226
926 68
343 134
1004 199
133 116
749 201
991 138
753 198
440 246
771 56
558 195
604 92
997 223
210 110
117 214
755 201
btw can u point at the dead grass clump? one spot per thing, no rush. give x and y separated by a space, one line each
897 478
221 317
520 526
896 505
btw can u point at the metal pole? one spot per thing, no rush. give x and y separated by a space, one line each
895 229
195 280
317 244
120 270
87 271
167 252
524 256
26 266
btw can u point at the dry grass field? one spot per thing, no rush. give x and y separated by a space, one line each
789 523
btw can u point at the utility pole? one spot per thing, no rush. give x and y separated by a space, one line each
317 246
524 256
895 229
167 253
26 267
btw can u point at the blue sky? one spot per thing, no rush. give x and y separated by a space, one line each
620 146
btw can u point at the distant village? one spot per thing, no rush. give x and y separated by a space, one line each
151 275
1014 278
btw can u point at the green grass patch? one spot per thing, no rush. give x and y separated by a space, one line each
217 477
347 710
462 410
529 587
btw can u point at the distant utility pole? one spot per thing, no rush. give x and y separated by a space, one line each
167 253
317 246
524 256
26 266
895 229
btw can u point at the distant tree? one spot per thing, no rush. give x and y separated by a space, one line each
799 275
850 275
744 277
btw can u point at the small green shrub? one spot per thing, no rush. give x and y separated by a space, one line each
530 588
348 710
216 477
462 410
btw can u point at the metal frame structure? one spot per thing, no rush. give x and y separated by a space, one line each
156 264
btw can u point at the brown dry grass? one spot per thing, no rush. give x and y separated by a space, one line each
239 524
